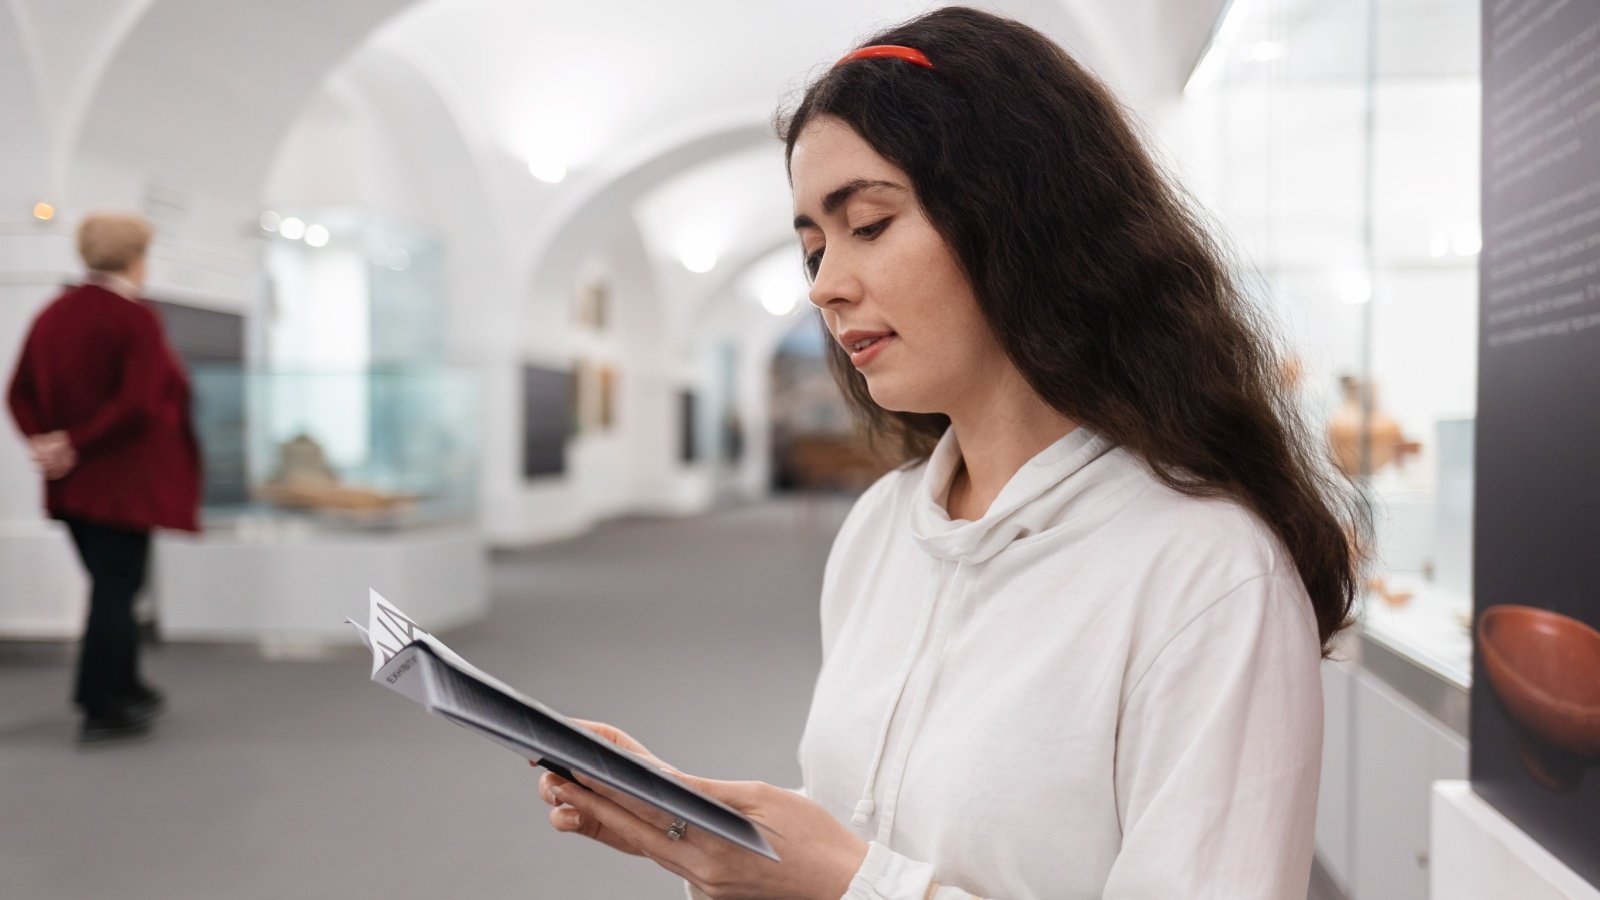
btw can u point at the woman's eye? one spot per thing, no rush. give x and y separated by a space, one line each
813 263
873 230
813 260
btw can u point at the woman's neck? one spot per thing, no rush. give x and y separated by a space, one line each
998 436
115 282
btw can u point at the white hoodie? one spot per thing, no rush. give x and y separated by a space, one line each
1102 688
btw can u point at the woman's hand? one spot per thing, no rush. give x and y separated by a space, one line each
820 856
52 454
567 818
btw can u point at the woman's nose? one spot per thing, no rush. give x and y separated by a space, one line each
833 285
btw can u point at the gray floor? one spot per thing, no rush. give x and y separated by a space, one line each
303 780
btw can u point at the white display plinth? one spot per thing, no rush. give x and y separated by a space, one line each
287 583
1476 852
43 591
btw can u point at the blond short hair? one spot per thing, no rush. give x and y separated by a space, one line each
111 242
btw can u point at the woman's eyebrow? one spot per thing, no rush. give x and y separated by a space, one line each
837 197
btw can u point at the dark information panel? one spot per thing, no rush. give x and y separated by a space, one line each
209 339
1536 684
547 420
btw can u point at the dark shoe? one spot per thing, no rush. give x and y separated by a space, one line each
146 705
114 725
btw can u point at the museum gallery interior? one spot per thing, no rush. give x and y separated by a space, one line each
497 308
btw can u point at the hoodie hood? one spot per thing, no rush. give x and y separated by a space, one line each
1031 501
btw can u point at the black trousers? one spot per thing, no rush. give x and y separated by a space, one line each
108 662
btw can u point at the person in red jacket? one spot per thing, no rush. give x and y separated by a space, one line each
104 404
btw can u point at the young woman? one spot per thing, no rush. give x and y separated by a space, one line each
1071 647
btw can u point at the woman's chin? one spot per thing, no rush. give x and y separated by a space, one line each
887 395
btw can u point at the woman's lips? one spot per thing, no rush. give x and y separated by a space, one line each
860 358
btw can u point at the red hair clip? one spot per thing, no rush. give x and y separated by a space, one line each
886 51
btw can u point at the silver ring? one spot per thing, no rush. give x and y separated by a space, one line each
676 830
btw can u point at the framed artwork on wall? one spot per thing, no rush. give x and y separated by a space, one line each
547 417
211 343
581 390
688 447
607 390
592 309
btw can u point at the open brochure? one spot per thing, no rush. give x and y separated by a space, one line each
415 664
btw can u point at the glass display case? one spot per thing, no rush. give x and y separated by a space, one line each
385 447
1338 145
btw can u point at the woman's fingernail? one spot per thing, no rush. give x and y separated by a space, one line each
555 794
576 819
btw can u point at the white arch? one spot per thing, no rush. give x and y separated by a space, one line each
737 266
230 78
613 185
73 104
253 65
24 154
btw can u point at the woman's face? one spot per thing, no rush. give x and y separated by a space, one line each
891 291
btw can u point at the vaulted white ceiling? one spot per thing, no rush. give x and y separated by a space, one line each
129 78
656 111
570 81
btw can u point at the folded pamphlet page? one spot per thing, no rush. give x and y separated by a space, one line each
418 666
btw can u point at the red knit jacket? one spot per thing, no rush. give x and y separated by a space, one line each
99 367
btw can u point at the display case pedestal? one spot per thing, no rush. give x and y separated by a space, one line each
288 584
1478 853
43 591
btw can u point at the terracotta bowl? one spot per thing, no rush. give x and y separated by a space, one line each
1545 669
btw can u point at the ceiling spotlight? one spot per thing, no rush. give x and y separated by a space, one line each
44 212
292 228
399 260
779 303
699 261
316 235
270 221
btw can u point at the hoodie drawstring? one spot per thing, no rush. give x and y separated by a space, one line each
931 655
867 804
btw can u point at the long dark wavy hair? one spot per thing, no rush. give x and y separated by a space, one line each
1099 279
